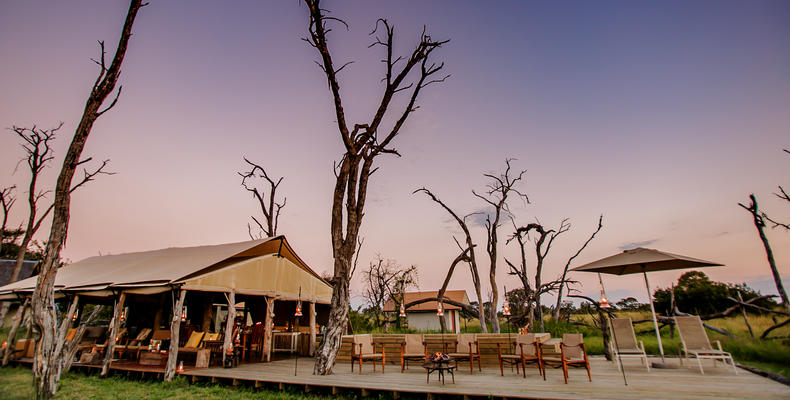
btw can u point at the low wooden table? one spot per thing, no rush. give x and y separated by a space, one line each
153 358
441 366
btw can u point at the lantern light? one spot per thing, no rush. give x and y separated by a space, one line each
604 303
402 312
181 367
440 310
298 312
184 314
506 309
74 317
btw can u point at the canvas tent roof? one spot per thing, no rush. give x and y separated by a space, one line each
149 271
455 295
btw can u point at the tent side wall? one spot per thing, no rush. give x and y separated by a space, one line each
267 275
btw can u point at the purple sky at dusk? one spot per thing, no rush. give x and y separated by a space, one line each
660 116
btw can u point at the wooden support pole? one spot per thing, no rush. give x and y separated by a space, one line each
227 344
115 322
175 327
311 346
65 325
267 335
18 318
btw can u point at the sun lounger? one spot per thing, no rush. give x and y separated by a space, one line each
696 344
624 344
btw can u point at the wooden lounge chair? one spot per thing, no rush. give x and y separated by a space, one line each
695 343
364 349
466 348
134 345
412 349
572 354
624 344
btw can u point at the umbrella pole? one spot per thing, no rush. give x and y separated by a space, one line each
653 311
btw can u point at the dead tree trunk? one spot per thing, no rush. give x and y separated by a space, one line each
270 208
470 258
10 340
47 364
227 345
175 330
311 347
759 223
73 345
498 191
745 318
362 144
115 323
556 313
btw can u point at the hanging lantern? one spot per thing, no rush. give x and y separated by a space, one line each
402 312
440 310
123 314
506 309
604 302
298 312
74 317
184 314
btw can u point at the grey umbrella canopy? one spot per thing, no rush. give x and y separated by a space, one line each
643 260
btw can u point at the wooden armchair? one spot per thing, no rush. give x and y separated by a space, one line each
214 342
530 351
467 348
364 349
412 349
256 339
572 354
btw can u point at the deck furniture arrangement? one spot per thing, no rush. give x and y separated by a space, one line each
624 343
572 354
364 349
412 349
695 343
192 345
467 349
214 343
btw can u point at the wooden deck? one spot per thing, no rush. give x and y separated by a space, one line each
683 383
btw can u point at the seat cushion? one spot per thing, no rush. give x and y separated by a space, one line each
194 340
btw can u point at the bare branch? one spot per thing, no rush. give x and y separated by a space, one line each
269 206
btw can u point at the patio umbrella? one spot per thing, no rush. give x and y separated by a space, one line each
640 259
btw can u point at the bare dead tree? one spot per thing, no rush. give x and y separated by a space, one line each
469 258
48 362
556 312
362 144
270 208
7 200
759 223
36 144
384 280
782 195
542 246
496 195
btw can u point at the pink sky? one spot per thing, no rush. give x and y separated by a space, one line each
662 117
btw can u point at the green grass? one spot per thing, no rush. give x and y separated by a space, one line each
16 383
